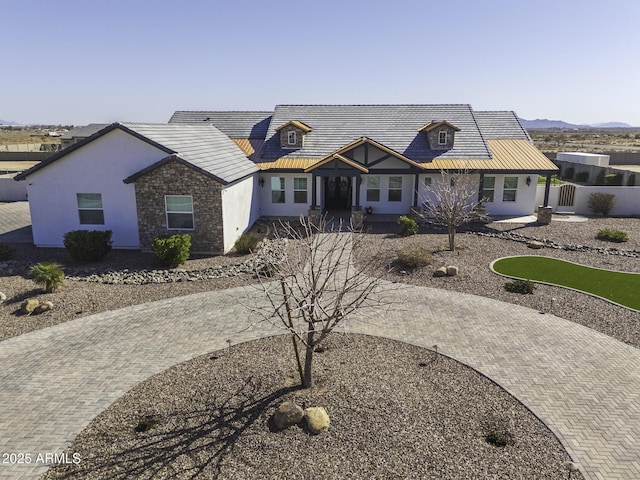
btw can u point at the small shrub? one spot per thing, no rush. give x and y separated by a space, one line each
408 226
49 275
146 423
498 432
612 235
247 243
88 245
523 287
582 176
5 252
171 250
602 203
411 258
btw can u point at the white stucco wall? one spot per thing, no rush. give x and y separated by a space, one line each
383 206
289 208
525 203
627 199
237 212
98 167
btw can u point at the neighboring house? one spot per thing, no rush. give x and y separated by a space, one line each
212 174
78 134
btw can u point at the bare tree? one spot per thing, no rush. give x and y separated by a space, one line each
316 286
451 202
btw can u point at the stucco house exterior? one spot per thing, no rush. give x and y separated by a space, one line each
213 174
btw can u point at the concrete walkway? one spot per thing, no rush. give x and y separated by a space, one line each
15 223
584 385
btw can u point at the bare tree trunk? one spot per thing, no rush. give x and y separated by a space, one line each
452 237
308 361
294 339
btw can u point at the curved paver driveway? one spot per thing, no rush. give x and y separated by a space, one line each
584 385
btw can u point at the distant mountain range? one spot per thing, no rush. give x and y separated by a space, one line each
5 122
542 123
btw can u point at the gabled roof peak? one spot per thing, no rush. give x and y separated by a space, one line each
437 123
296 123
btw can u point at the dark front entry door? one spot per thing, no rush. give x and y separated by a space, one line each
337 193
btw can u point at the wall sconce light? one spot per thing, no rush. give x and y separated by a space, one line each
261 182
528 181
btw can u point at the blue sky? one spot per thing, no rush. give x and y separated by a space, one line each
85 61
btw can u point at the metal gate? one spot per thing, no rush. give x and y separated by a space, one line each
567 196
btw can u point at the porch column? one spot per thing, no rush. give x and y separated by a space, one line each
358 184
547 188
415 190
314 204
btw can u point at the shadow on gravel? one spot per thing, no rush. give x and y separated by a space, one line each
193 444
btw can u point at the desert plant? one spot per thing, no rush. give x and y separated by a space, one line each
414 257
523 287
498 431
5 252
171 250
582 176
612 235
247 243
49 275
408 226
602 202
146 423
88 245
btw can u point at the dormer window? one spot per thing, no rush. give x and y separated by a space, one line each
440 134
292 134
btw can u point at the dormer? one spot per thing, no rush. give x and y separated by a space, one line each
440 134
292 134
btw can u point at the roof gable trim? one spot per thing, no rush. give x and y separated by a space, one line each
435 124
340 158
296 123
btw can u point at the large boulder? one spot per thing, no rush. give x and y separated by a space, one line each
317 419
44 307
286 415
29 306
535 244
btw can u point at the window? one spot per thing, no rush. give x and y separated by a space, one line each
373 188
277 189
395 189
299 190
428 181
179 210
90 208
442 138
291 138
488 188
510 189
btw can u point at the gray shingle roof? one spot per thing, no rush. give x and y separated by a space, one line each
234 124
395 126
84 132
501 125
203 146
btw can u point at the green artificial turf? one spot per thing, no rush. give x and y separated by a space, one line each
619 287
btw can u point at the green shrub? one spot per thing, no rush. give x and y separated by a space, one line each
408 226
411 258
247 243
523 287
49 275
602 203
613 179
5 252
582 176
88 245
171 250
612 235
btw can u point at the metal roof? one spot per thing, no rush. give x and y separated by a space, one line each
395 126
235 124
287 164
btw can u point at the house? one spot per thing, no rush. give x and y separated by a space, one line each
212 174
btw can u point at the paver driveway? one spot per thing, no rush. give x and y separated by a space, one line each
584 385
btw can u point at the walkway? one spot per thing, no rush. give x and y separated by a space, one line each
15 223
584 385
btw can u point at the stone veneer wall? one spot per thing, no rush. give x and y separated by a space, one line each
175 178
433 138
284 136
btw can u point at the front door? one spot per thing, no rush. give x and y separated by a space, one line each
337 193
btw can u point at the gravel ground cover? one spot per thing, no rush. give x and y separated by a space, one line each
397 411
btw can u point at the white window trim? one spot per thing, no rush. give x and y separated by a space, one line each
167 212
283 189
305 190
514 190
389 189
89 209
367 189
292 134
446 137
485 189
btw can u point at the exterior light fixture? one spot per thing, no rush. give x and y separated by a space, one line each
528 181
261 182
